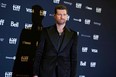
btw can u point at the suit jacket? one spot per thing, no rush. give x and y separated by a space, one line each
48 57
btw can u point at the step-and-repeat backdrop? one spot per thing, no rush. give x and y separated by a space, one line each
20 28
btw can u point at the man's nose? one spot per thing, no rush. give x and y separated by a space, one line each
62 16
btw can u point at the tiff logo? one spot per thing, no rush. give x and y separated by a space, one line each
14 24
3 5
16 7
83 63
28 26
79 5
56 1
29 10
84 49
8 74
24 58
92 64
12 40
98 10
87 21
43 13
81 75
2 21
95 37
68 17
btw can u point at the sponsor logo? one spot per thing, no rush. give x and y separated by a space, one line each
51 14
94 50
79 5
89 8
14 57
1 39
3 5
8 74
97 23
16 7
68 3
83 35
98 10
29 10
24 58
14 24
83 63
77 33
81 75
68 18
12 40
78 20
56 1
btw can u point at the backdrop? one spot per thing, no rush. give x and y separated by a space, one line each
94 21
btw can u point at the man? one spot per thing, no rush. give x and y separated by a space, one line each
57 53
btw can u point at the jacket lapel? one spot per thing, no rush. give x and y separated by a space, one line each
52 35
67 37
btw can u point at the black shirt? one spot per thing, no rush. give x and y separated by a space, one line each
60 38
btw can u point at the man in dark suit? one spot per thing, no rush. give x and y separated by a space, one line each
57 52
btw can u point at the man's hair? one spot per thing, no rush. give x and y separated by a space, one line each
60 7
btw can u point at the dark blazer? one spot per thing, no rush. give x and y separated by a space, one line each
48 56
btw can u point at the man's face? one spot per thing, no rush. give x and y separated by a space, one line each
61 16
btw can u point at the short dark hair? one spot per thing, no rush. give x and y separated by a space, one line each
61 7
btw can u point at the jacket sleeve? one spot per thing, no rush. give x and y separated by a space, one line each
38 55
73 56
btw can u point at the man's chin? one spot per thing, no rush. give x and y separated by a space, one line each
61 23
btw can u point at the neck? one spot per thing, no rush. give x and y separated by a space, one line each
60 28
